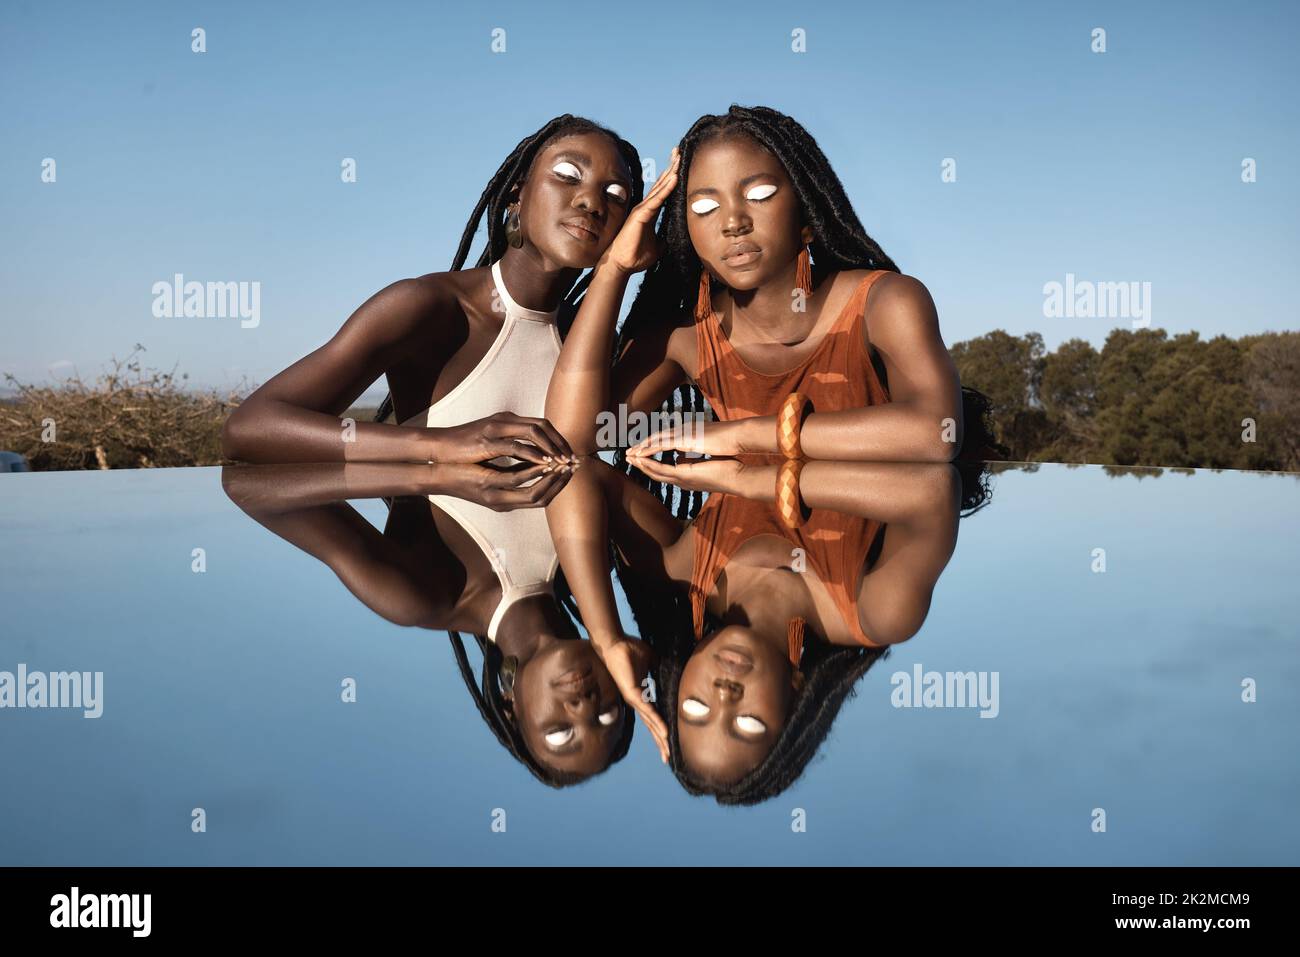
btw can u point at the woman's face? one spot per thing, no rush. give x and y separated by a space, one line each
575 199
568 708
742 213
732 702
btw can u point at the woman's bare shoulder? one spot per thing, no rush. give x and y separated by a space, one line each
899 308
419 303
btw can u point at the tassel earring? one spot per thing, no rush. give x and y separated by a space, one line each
794 641
803 272
704 302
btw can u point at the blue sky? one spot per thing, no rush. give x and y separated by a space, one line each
224 166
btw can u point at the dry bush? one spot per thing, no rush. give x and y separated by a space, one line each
130 417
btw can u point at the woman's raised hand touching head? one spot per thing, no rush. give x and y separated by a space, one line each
635 247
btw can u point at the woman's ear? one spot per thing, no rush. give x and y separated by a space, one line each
797 680
806 235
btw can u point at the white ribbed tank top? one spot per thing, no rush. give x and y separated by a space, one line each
512 377
514 374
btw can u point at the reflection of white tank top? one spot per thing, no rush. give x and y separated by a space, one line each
512 377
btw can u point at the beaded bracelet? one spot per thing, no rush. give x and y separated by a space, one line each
789 423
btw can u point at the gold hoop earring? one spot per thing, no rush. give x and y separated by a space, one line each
514 235
509 668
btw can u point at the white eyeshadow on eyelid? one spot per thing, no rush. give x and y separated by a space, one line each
761 192
749 724
618 191
565 168
561 738
694 709
703 206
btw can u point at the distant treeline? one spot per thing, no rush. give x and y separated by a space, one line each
1144 399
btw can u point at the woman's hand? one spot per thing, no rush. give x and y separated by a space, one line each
502 433
727 476
628 660
635 247
503 490
706 437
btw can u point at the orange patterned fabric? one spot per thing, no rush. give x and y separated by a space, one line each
835 546
837 376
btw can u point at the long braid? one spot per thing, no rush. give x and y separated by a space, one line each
498 195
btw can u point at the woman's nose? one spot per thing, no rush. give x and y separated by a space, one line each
727 690
581 705
737 223
590 202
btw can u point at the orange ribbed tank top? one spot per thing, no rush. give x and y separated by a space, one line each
835 546
838 375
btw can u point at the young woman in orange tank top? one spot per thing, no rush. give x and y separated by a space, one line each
761 282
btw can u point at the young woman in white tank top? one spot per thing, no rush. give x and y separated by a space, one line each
468 355
552 209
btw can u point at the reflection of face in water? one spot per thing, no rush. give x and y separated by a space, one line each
569 710
732 703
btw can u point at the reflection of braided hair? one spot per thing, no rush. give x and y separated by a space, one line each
663 619
839 242
495 711
498 195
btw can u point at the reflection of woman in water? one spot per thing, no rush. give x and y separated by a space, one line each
485 568
762 629
468 352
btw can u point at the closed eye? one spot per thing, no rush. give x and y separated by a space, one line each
618 191
608 717
566 170
704 205
761 192
749 724
559 738
694 708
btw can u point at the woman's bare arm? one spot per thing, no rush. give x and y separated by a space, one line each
580 386
406 588
895 595
294 417
922 422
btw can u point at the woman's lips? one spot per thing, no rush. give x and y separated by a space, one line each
580 232
741 254
734 661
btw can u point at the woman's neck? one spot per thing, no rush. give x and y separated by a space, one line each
767 312
765 599
532 282
529 625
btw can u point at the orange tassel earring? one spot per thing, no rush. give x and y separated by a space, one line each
704 302
803 272
794 641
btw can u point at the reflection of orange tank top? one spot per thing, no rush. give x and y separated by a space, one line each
838 375
835 546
